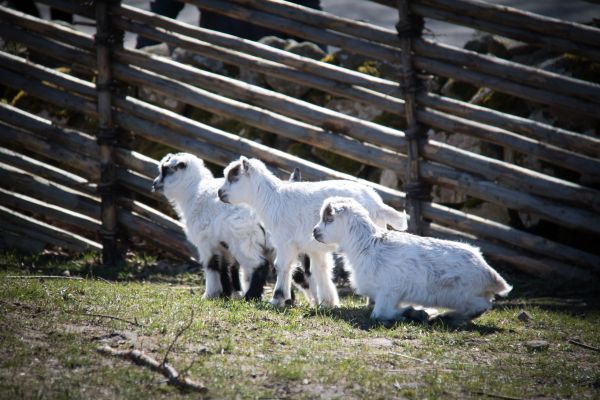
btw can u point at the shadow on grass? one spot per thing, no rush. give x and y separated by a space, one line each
359 317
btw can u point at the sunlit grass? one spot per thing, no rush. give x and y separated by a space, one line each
49 337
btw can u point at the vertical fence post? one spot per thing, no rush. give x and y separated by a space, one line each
105 38
408 27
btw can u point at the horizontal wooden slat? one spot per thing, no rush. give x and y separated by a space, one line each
55 235
64 217
482 63
493 230
558 156
528 263
518 33
473 185
491 169
553 135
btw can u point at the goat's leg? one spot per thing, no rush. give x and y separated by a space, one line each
386 308
302 278
212 274
321 272
258 281
283 266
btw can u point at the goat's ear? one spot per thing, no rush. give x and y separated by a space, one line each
296 175
245 164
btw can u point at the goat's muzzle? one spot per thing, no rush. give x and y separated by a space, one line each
222 196
317 235
157 184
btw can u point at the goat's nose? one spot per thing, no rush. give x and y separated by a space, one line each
220 193
316 233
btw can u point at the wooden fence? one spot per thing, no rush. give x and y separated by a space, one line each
82 187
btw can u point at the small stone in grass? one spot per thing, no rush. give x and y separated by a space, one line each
524 316
537 345
66 272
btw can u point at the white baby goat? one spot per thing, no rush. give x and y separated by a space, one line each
213 226
397 267
289 211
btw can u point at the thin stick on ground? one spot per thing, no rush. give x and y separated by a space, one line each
135 323
141 358
177 335
585 346
78 278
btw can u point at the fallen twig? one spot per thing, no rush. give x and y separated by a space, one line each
585 346
42 277
179 333
135 323
140 358
409 357
497 396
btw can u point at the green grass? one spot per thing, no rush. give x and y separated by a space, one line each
48 346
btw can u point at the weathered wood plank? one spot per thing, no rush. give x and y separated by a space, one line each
536 130
483 63
487 229
10 157
353 45
530 264
21 181
510 16
554 136
518 33
506 198
500 171
54 214
85 166
579 107
26 225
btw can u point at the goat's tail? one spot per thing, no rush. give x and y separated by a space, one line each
498 285
398 220
502 287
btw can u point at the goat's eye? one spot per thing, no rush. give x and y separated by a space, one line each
181 165
328 219
233 174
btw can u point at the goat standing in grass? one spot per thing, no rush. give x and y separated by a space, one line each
289 211
213 226
397 267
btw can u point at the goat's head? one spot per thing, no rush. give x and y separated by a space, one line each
238 186
334 223
175 172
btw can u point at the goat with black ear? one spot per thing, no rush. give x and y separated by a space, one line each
289 211
397 268
215 228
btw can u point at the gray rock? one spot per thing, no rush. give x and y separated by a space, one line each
488 44
305 49
537 345
389 179
524 316
276 42
199 61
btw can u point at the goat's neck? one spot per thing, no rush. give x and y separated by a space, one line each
359 239
186 199
265 197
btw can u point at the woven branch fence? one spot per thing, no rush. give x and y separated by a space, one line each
83 187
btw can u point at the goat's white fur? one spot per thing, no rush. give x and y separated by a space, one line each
289 211
192 191
398 267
